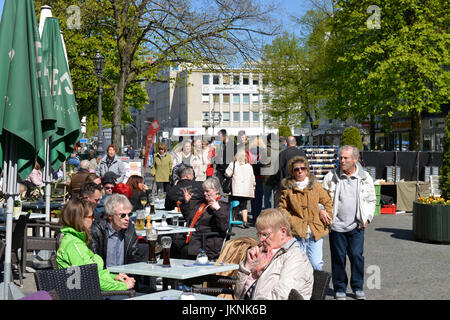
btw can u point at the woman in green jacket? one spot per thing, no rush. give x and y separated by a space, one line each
76 218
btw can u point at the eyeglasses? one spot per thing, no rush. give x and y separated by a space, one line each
297 169
90 217
108 188
123 215
264 235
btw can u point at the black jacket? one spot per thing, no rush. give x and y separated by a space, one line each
175 193
99 241
210 221
284 157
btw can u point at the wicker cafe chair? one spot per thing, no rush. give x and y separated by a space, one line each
234 251
321 284
75 283
31 243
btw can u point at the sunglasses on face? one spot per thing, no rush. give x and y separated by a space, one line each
297 169
123 215
90 217
108 188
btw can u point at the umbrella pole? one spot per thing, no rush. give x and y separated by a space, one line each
46 254
11 189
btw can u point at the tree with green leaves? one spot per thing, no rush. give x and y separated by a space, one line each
352 137
386 58
141 38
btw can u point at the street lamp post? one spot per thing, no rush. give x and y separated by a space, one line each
99 63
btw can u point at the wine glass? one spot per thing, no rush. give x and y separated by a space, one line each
144 201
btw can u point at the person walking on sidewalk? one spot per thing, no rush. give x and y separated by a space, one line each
354 200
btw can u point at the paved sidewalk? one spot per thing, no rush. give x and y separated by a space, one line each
407 269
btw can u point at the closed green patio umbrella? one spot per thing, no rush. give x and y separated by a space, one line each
27 116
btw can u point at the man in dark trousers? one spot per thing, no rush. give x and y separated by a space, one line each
224 154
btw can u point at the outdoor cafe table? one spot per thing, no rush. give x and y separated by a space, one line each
166 230
172 295
180 269
169 214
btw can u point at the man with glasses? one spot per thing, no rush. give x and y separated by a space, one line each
92 192
113 235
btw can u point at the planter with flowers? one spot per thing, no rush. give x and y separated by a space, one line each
431 219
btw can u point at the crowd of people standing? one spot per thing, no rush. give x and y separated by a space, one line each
201 176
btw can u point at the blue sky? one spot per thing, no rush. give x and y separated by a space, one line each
287 8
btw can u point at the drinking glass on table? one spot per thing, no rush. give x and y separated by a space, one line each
152 238
144 200
166 243
140 220
175 221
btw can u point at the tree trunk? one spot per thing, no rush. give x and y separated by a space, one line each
416 130
119 94
372 131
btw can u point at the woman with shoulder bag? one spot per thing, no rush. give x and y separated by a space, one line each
243 182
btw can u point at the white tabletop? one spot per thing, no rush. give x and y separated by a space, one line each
172 295
178 270
33 216
166 230
169 214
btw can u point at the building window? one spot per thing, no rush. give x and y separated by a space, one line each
245 80
247 116
236 116
215 79
226 98
226 79
255 116
216 98
205 79
255 97
205 98
205 116
225 116
236 80
236 99
255 81
246 98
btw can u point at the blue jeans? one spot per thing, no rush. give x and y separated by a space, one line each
313 250
342 244
268 191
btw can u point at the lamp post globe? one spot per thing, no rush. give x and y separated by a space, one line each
99 63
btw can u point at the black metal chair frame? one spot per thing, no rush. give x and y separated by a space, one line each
76 283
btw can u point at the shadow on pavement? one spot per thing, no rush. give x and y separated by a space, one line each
398 233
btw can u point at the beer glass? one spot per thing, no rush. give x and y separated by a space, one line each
175 221
166 243
140 220
152 238
152 204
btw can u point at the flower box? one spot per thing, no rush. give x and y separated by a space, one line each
431 222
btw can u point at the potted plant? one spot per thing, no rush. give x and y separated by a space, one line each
431 216
431 219
17 209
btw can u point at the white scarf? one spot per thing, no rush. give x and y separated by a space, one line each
302 184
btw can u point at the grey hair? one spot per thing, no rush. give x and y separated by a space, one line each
212 183
355 151
85 164
114 200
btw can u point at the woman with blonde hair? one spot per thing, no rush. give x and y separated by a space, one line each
243 182
277 265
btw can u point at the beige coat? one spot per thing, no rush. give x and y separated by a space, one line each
302 207
288 269
243 182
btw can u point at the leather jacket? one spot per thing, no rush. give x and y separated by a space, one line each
99 241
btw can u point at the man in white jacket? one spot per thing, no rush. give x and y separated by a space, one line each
354 200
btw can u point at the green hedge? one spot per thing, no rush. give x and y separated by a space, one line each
444 178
